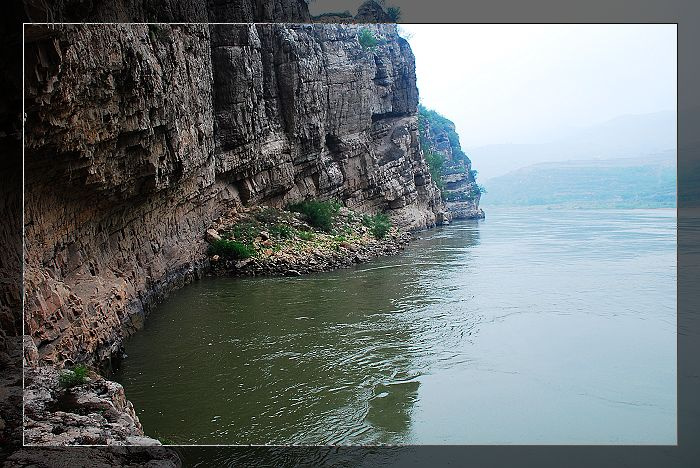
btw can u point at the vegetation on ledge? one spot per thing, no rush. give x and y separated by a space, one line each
367 39
320 214
429 120
378 224
73 378
312 235
263 231
230 249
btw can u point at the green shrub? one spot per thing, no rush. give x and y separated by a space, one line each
281 231
394 13
305 235
367 39
320 213
73 378
245 232
378 224
230 249
381 226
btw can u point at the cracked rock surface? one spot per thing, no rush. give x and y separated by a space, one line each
138 137
94 413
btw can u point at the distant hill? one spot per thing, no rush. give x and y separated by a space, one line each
643 182
625 136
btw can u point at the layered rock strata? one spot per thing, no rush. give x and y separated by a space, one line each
68 282
329 117
119 176
137 137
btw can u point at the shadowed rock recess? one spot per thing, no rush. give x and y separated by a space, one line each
138 138
171 11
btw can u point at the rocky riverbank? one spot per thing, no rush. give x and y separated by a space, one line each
247 242
169 127
283 243
95 412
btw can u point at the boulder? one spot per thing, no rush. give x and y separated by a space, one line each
212 236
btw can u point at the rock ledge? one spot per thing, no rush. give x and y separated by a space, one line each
95 413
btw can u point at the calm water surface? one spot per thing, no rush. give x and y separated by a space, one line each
533 326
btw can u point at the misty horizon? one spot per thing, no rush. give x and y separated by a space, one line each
521 94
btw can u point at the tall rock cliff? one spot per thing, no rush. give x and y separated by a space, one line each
138 137
332 119
451 168
119 178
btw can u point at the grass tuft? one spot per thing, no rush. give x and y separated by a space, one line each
306 235
74 377
367 39
231 249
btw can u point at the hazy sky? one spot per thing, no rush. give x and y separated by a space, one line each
526 83
532 83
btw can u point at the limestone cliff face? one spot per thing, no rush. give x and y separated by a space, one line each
139 137
119 172
332 119
459 189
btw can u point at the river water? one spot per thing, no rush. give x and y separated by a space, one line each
533 326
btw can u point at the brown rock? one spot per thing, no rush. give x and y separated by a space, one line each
139 175
212 236
242 263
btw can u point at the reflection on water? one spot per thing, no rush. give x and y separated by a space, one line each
532 326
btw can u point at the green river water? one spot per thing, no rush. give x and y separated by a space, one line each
533 326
